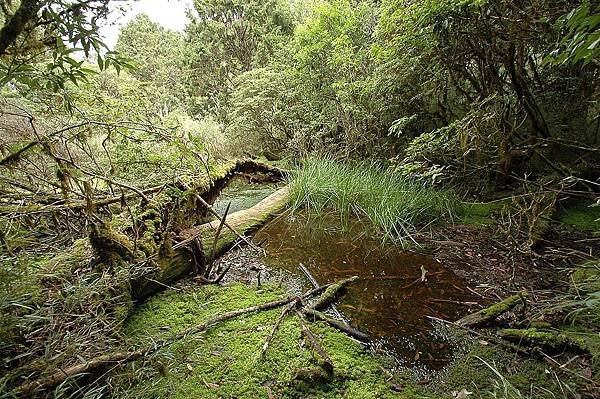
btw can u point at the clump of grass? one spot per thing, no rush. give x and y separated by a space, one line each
397 208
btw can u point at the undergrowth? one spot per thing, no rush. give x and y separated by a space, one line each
395 207
225 362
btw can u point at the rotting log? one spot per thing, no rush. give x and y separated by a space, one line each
487 315
552 340
244 222
180 262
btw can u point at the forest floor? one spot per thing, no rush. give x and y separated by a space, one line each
226 362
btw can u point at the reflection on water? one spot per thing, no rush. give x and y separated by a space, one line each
391 300
242 195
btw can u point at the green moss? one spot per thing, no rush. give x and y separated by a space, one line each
332 293
225 361
582 216
485 315
587 277
504 305
109 244
480 213
521 376
544 338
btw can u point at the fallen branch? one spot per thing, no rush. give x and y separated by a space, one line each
312 375
510 346
332 293
554 340
120 358
315 284
284 312
340 325
216 214
485 316
312 341
214 245
76 205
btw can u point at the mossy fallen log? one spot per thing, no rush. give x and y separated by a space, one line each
182 261
244 222
487 315
552 340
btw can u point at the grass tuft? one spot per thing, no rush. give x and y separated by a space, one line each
394 206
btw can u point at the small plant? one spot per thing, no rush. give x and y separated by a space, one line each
395 207
502 387
583 303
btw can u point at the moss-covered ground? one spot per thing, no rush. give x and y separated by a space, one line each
225 361
582 215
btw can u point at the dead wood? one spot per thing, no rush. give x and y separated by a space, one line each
315 314
62 374
180 263
77 205
309 276
312 375
517 348
120 358
233 230
284 312
332 293
312 341
337 324
315 284
215 280
487 315
214 245
551 340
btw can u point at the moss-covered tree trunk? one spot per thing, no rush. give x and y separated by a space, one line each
183 261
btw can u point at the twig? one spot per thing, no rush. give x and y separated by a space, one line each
340 325
214 245
284 312
311 340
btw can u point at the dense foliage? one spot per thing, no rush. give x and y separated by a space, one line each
391 110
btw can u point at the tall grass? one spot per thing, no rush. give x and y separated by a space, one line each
395 207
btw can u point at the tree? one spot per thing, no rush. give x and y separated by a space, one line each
481 64
158 54
39 39
227 38
582 42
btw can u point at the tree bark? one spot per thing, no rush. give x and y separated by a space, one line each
15 26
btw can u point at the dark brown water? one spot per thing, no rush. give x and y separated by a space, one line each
391 300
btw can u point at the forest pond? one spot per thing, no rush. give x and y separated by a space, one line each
242 194
397 289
